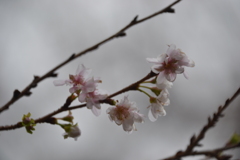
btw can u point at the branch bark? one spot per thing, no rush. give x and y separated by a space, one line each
26 92
194 141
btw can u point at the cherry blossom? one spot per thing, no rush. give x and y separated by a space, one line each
157 105
125 113
165 84
81 83
169 64
76 81
92 99
72 131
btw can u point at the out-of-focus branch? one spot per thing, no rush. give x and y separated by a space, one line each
194 141
216 153
121 33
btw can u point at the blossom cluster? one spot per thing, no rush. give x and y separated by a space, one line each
86 88
166 66
124 112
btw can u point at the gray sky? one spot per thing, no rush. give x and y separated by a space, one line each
38 35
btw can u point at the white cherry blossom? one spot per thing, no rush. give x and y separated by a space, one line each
165 84
156 108
92 99
169 64
125 113
81 83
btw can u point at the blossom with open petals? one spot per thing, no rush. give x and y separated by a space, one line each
92 99
125 113
157 105
169 64
81 83
165 84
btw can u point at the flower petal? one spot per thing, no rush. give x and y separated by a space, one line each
185 74
152 117
96 111
171 77
138 118
161 111
82 97
165 84
72 89
160 77
152 60
128 124
171 48
59 82
179 70
84 72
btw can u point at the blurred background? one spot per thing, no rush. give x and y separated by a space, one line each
35 36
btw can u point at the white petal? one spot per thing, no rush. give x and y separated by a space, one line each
72 89
185 74
59 82
179 70
171 48
125 102
161 58
89 85
171 77
102 96
117 121
156 68
110 118
83 71
138 118
165 84
160 77
167 102
97 105
96 111
82 97
191 63
186 62
152 60
109 110
86 72
79 69
161 111
151 117
128 124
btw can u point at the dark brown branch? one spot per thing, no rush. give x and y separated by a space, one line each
216 153
120 33
194 141
65 107
133 86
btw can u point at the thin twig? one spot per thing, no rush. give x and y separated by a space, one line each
121 33
49 117
215 152
194 141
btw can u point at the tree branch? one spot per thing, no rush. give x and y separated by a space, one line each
216 153
194 141
26 92
49 117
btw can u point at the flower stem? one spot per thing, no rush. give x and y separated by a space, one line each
145 87
145 93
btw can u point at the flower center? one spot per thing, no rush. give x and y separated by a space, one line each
170 67
76 80
122 112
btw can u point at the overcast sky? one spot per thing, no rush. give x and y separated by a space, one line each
35 36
